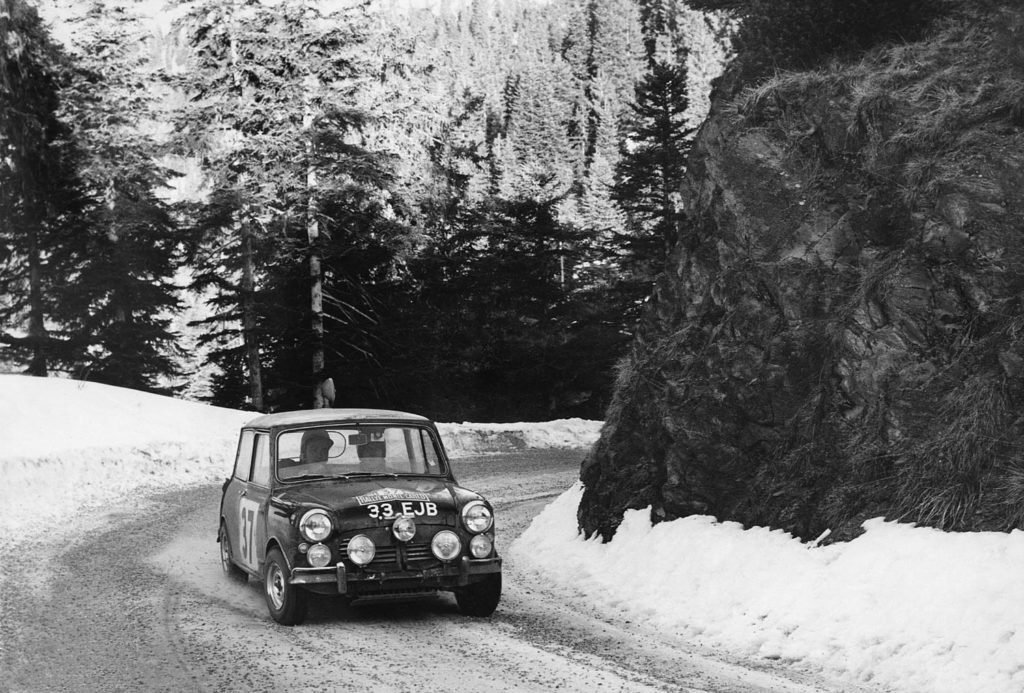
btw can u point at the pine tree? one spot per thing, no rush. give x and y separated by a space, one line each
537 162
602 46
120 300
486 314
650 173
273 98
598 211
40 195
503 234
615 39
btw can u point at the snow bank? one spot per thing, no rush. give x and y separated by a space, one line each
910 608
466 439
66 445
45 416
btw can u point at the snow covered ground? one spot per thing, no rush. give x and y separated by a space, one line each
903 608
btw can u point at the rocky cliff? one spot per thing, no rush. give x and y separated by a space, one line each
839 332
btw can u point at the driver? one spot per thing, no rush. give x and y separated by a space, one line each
372 456
314 447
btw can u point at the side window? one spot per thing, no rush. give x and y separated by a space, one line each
428 450
261 466
243 462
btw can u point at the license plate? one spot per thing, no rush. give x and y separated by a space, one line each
395 509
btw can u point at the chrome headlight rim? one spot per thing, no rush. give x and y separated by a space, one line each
311 534
404 529
437 548
481 546
360 550
318 555
473 525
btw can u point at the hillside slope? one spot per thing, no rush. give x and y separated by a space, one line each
838 334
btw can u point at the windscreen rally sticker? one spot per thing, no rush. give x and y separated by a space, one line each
389 495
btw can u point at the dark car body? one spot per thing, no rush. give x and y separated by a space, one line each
356 503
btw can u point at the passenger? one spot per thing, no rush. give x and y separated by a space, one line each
315 447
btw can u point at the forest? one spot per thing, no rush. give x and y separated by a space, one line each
456 210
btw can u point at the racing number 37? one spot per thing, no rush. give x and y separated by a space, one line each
247 511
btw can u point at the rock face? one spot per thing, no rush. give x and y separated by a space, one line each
838 333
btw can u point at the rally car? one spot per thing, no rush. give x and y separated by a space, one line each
357 503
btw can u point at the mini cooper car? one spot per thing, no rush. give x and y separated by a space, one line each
356 503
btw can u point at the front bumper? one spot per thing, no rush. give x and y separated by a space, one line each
357 582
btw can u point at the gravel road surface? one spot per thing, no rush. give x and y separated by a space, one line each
136 601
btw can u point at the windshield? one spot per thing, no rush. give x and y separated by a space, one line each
352 450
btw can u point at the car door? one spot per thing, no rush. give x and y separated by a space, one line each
235 491
252 506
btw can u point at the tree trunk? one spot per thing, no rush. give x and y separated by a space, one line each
316 304
36 326
317 310
316 294
252 347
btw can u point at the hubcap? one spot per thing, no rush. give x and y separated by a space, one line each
225 552
275 585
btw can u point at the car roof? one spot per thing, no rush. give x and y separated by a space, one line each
315 416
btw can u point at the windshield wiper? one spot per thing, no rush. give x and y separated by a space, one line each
302 477
349 475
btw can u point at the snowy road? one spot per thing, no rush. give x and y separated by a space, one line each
141 605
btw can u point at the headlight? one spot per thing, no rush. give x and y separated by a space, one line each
404 529
318 555
477 517
316 525
361 549
446 545
480 546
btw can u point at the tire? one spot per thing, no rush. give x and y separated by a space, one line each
227 562
286 603
480 598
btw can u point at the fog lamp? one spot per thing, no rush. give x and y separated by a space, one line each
446 545
361 549
404 529
480 546
318 555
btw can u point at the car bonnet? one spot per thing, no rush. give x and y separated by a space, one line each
351 498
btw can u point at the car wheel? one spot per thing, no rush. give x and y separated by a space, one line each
480 598
287 603
226 556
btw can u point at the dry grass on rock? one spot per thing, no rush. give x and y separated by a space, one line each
839 332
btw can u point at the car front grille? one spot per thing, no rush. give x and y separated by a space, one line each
385 555
417 554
